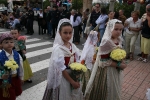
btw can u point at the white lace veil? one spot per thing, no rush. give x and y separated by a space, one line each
57 56
58 39
106 43
88 50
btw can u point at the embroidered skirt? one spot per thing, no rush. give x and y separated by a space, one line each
14 91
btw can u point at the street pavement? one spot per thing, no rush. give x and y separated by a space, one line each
39 48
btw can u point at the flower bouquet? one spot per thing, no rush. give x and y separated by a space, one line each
21 42
77 70
118 55
9 66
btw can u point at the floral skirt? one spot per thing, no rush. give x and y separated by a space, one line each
63 92
27 70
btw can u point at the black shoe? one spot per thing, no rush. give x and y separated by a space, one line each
29 81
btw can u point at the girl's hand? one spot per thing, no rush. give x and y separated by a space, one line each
75 85
123 66
5 76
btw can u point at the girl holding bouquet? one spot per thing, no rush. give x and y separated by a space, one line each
59 81
105 80
88 55
13 80
21 49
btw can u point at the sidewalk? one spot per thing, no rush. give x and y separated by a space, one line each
136 81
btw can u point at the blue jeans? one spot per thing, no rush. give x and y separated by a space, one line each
49 27
101 30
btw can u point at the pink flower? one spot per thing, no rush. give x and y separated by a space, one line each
22 38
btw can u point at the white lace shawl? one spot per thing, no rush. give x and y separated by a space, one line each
106 46
89 48
56 64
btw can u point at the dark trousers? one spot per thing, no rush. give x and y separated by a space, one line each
54 27
30 26
40 30
76 37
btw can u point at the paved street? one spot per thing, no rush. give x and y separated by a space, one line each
39 48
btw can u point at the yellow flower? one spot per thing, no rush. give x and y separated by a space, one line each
78 66
11 64
118 54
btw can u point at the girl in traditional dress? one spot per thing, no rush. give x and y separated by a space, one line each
105 80
21 49
64 53
15 78
88 55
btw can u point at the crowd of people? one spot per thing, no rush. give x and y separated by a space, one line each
103 30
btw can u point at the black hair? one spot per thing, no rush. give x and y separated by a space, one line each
87 9
103 10
116 16
64 24
16 29
98 4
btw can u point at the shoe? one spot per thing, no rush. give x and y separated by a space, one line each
140 59
29 81
145 60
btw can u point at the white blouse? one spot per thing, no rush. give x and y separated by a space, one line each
133 24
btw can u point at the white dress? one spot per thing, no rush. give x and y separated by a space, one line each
58 88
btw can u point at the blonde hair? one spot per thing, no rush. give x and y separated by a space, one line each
136 12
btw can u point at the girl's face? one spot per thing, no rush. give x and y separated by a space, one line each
117 30
8 44
66 33
111 15
15 34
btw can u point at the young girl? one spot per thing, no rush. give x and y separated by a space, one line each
21 49
105 80
88 56
64 53
15 77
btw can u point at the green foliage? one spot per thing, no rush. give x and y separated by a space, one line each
3 2
46 3
77 4
128 9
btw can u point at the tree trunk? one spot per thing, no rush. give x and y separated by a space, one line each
87 4
111 5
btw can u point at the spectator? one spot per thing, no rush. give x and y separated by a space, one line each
145 37
55 19
15 22
101 21
94 16
75 21
30 18
122 16
48 20
133 27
